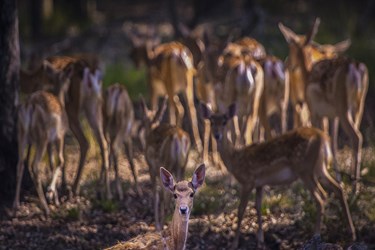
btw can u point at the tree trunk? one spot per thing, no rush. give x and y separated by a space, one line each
9 76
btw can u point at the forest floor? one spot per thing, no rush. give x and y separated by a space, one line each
86 222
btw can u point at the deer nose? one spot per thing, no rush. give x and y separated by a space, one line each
217 136
183 209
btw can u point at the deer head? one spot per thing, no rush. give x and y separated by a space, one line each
183 191
298 43
218 121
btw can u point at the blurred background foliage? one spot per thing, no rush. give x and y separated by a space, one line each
50 27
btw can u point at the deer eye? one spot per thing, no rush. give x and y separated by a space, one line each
192 194
175 196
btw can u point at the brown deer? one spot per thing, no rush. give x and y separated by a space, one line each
300 154
85 95
170 71
335 88
166 145
45 77
205 89
174 238
42 122
313 52
242 83
275 96
118 122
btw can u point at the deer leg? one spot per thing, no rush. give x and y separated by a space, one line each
339 192
258 207
50 157
189 95
244 199
95 119
114 154
334 135
77 130
20 168
180 110
51 190
265 124
172 110
206 142
319 201
130 155
297 116
237 132
356 140
40 149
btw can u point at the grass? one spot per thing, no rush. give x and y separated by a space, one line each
107 206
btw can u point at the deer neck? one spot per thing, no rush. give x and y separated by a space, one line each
178 231
226 149
305 69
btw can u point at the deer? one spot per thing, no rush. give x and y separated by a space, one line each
44 77
313 52
206 89
85 96
302 154
118 115
166 145
335 88
275 96
242 82
174 238
170 69
42 122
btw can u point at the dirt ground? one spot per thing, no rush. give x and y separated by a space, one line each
85 222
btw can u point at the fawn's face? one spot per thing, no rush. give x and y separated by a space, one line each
218 121
218 124
183 194
183 191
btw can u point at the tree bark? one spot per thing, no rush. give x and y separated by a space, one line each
9 76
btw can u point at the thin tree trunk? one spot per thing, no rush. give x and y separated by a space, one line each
9 76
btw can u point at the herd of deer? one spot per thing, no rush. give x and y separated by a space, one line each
239 87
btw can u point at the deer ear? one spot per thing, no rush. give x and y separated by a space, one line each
314 29
232 109
288 34
206 111
198 177
167 179
342 46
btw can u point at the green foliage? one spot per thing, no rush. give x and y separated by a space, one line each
107 206
134 80
69 212
73 213
276 202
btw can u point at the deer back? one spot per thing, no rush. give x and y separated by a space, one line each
43 116
118 110
168 144
274 93
330 75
